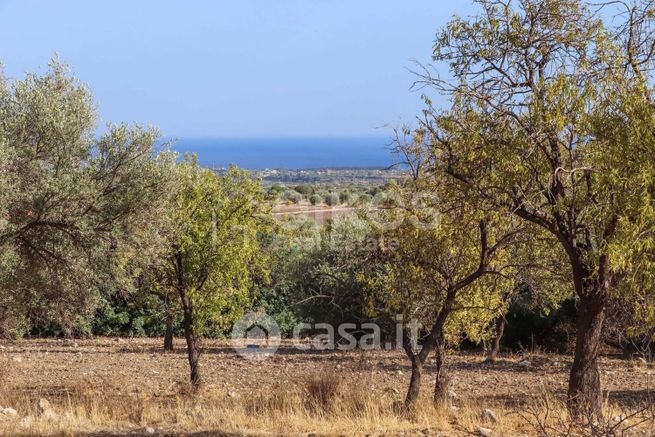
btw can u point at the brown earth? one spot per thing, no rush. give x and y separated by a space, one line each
137 368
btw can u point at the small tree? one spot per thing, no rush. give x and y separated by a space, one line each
214 250
344 197
292 196
449 272
331 199
305 190
315 199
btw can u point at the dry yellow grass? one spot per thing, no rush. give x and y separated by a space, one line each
92 410
317 397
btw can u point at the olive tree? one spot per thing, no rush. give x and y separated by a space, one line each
551 119
74 208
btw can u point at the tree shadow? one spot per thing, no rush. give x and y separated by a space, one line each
632 399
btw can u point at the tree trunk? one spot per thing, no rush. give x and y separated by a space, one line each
168 337
193 349
414 383
495 347
442 381
584 395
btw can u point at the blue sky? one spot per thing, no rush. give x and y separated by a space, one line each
241 68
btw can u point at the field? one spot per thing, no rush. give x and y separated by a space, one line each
318 213
108 386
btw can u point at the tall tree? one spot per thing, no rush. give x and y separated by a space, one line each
73 207
214 250
551 120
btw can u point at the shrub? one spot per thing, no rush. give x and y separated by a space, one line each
362 199
274 192
344 197
304 189
315 199
322 389
292 196
332 199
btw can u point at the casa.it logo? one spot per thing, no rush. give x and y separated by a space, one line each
256 336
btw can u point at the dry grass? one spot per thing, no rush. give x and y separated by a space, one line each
319 403
93 389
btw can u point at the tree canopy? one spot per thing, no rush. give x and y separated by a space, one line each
73 206
551 120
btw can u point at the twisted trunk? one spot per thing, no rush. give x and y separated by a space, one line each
495 347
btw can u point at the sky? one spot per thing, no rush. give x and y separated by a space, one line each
240 68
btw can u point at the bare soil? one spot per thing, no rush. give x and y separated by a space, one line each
137 367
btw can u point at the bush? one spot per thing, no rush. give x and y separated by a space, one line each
292 196
361 200
344 197
332 199
304 189
315 199
274 192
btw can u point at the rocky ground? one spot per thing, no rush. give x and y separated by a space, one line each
51 368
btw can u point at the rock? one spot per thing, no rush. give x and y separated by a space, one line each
232 394
8 413
485 432
489 416
149 430
399 372
525 364
26 421
17 359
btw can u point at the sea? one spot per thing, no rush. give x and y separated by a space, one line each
289 153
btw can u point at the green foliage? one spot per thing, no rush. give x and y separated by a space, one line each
74 208
446 259
331 199
215 247
292 196
344 197
131 315
561 137
274 192
305 190
313 273
315 199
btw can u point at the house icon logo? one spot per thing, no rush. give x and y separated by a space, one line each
255 336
